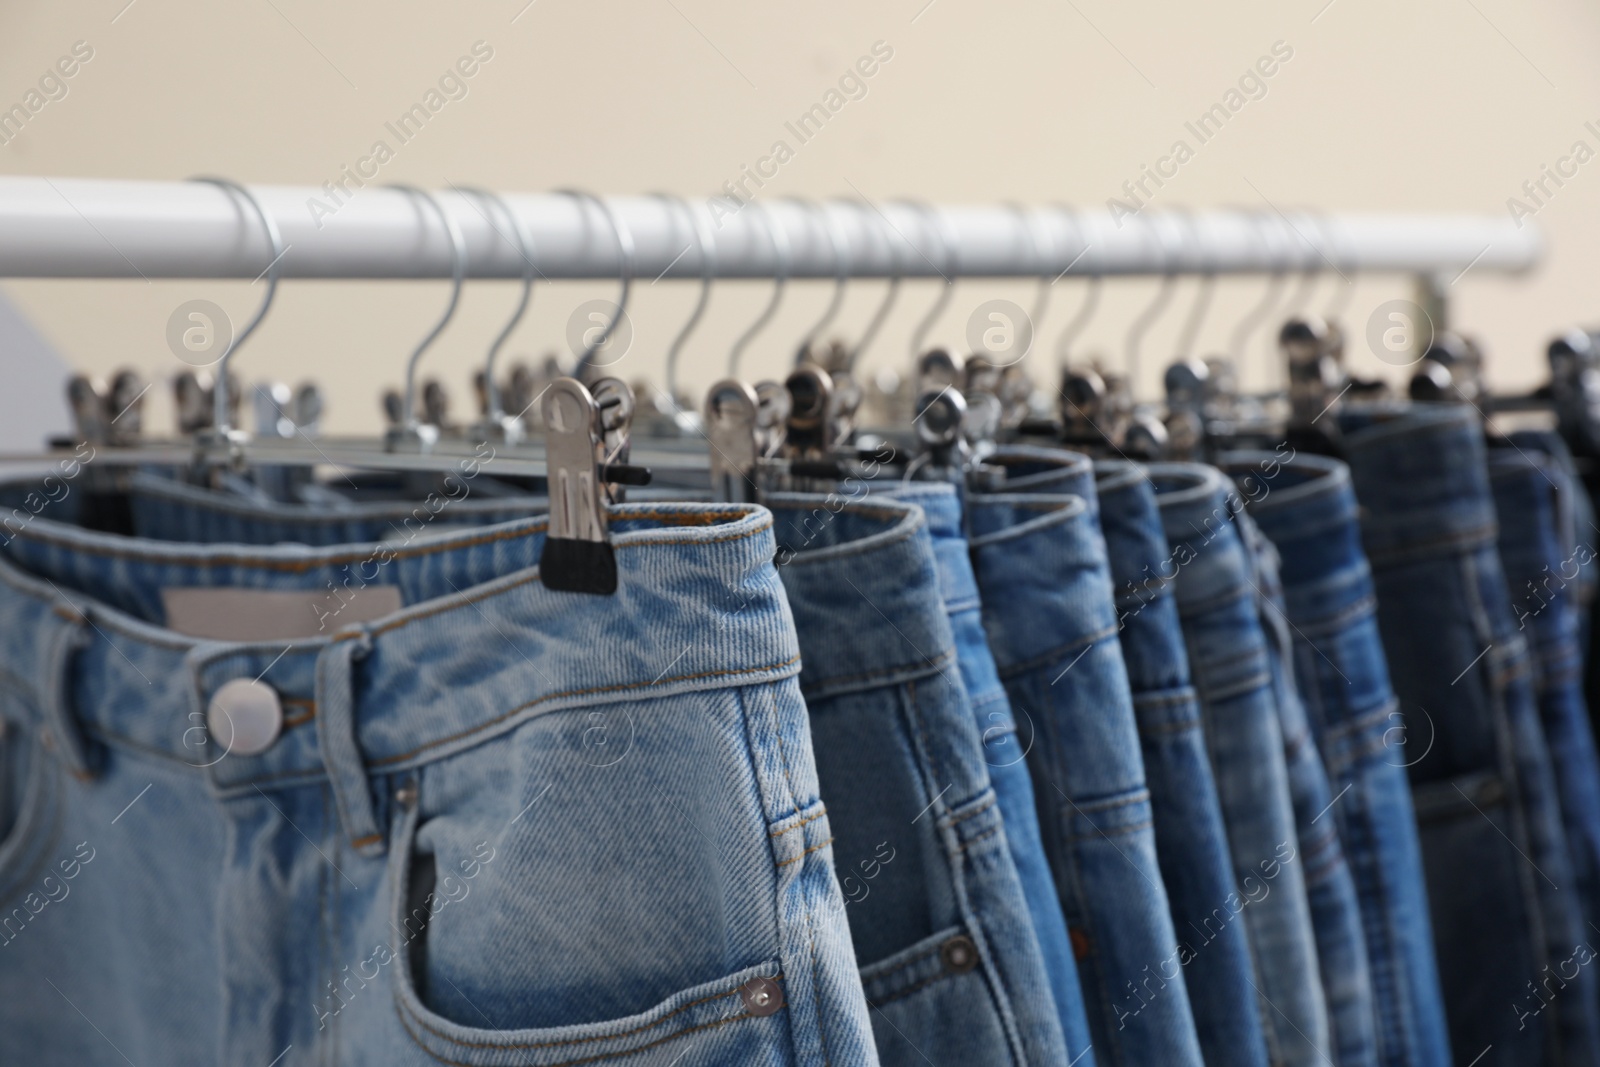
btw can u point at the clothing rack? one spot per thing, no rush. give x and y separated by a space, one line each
93 228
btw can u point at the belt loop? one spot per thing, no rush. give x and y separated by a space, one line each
341 753
67 635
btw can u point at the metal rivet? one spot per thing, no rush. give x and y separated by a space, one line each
959 954
406 795
761 996
244 717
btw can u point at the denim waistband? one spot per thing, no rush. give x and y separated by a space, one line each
1424 482
1306 505
1135 540
836 553
1198 505
479 647
1052 551
1035 469
941 505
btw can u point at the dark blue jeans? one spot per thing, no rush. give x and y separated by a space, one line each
1482 780
1005 751
949 960
1191 837
1306 506
1535 497
1049 612
1231 663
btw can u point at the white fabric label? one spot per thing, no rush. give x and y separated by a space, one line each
273 614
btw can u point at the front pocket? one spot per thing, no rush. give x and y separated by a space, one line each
933 999
32 789
739 1018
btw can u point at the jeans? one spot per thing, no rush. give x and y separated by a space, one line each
950 962
1005 751
381 844
1231 663
1534 495
1482 782
1047 606
1191 838
1306 507
1330 886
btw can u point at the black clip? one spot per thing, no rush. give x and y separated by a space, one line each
580 437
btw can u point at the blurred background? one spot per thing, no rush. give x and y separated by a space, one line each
1434 105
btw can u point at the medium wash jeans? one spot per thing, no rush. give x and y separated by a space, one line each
950 961
1191 836
1306 506
496 825
1482 781
1231 661
1535 502
1005 751
1330 886
1048 609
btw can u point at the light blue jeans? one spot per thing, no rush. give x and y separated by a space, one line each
498 825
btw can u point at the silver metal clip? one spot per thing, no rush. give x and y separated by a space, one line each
583 439
732 409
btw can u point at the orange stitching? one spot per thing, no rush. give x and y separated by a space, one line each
802 822
807 852
577 1040
366 839
979 810
578 692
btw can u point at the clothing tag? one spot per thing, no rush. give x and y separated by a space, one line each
273 614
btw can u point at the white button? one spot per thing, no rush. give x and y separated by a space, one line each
244 717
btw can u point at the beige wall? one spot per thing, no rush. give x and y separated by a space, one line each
1427 105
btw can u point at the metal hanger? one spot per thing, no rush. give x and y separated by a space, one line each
410 429
625 259
948 269
841 281
890 293
497 423
706 251
781 251
221 409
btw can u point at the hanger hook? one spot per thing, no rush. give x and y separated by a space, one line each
781 250
1147 318
458 274
1041 294
524 246
1310 274
933 222
841 276
1342 263
1091 296
889 294
625 258
1202 295
1263 308
706 250
219 394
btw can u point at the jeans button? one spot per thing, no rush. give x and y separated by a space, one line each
244 717
959 954
761 996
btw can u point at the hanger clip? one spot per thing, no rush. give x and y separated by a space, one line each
578 556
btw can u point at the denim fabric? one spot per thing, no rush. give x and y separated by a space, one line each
1048 610
1482 784
1005 751
1231 663
171 511
950 964
1306 507
1191 838
1330 887
1534 502
501 825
